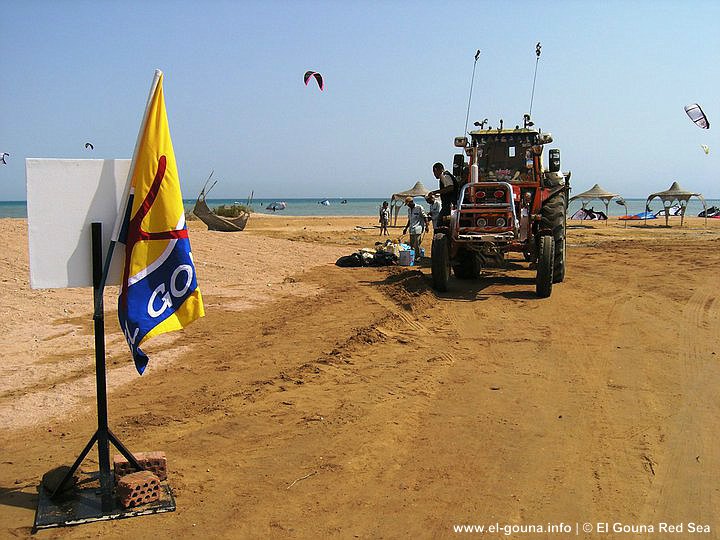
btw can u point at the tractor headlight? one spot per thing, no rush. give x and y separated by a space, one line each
500 222
460 142
481 222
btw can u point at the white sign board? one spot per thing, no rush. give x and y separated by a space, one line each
64 196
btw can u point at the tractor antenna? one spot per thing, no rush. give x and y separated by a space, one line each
472 80
538 47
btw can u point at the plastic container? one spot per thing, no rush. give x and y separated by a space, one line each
407 257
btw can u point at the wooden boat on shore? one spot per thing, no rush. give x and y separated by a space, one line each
211 219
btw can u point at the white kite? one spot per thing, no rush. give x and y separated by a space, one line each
697 115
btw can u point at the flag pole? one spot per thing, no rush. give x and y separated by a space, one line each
124 210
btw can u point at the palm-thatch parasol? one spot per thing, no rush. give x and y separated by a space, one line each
398 199
596 192
676 194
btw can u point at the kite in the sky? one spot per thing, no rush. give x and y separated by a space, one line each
705 148
697 115
318 78
89 145
3 155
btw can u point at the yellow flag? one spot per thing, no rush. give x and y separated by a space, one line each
159 291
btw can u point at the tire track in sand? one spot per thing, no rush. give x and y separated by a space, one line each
685 478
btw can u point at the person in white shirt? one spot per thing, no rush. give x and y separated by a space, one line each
416 224
434 209
384 219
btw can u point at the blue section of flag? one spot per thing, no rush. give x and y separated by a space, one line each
155 297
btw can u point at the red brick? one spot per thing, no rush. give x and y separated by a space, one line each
138 488
155 462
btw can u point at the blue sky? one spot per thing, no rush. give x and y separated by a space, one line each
611 85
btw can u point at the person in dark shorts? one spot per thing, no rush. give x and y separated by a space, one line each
448 189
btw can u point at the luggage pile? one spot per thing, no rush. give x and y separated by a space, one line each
388 253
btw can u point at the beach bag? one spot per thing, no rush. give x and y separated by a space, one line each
349 261
383 258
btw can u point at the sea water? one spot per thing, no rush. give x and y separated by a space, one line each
13 209
371 206
305 207
295 207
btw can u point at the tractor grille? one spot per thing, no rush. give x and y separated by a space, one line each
485 221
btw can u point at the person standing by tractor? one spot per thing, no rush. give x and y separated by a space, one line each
434 209
448 188
416 224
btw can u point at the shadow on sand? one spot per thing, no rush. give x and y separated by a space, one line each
417 279
15 496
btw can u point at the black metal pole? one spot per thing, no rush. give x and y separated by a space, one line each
103 438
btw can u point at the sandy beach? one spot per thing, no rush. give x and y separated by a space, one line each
316 401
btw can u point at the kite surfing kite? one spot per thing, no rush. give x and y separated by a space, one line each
317 76
89 145
697 115
705 148
3 155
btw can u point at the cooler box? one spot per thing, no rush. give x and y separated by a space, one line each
407 257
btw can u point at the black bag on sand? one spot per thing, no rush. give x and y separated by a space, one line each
384 258
348 261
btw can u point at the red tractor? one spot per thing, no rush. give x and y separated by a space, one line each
506 203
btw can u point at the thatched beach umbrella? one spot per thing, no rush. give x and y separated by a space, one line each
676 194
596 192
398 199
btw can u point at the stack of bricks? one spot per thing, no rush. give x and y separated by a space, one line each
154 462
138 488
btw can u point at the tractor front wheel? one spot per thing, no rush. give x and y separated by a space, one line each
440 254
545 264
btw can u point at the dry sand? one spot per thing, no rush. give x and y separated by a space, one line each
400 412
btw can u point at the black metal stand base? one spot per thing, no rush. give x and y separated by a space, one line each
96 503
86 506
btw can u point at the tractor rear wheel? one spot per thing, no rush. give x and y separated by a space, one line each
553 219
545 264
559 265
440 259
